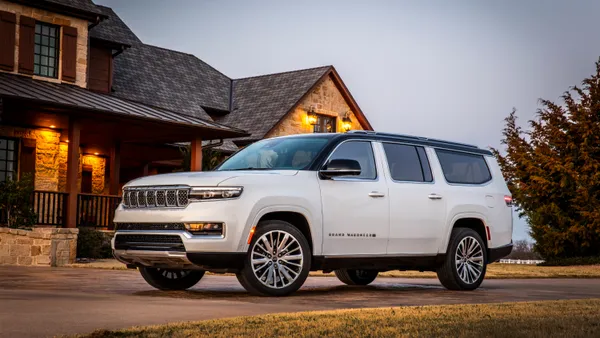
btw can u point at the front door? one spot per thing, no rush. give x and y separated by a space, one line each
355 208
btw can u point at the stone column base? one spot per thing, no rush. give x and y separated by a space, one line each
38 247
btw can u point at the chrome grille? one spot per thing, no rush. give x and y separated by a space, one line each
156 197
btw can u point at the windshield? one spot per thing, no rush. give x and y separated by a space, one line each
293 153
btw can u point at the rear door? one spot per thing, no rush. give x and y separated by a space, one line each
417 207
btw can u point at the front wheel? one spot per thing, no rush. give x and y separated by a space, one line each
356 277
465 264
278 260
171 279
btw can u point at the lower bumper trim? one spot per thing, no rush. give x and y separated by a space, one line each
218 260
495 254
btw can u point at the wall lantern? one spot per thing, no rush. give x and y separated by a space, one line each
347 122
311 116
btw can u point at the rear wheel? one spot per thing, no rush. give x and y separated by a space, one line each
465 264
356 277
278 260
171 279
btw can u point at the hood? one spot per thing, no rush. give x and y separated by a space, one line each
201 178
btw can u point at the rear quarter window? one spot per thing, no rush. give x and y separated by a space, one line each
464 168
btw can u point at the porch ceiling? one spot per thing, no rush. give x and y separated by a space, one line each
133 120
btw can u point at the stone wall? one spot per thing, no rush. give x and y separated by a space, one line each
47 154
51 159
60 20
38 247
327 100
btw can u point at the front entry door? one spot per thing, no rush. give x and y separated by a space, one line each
355 208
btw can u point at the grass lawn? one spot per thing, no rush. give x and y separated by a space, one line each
495 271
570 318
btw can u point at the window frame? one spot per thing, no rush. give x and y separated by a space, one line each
324 117
491 178
352 178
56 47
15 159
419 157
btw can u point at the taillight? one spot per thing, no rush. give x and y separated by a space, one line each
508 200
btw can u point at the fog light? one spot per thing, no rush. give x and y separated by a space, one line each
205 228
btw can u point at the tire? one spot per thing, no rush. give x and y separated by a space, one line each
272 274
356 277
463 270
171 279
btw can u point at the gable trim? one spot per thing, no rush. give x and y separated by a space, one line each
362 119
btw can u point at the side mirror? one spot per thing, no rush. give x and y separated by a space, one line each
341 167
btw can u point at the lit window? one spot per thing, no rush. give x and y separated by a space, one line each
45 62
325 124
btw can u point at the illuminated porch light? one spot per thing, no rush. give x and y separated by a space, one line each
96 154
311 116
52 126
347 122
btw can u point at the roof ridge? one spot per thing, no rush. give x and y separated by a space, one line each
188 54
280 73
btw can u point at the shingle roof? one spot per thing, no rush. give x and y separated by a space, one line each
171 80
261 102
19 87
79 8
113 29
83 5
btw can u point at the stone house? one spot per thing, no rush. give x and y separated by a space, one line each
86 106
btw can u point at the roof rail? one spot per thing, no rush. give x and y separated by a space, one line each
411 137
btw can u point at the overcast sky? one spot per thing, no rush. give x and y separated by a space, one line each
444 69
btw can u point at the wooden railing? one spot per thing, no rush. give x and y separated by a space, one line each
50 207
96 210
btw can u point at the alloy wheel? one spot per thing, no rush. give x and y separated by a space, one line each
173 274
469 260
277 259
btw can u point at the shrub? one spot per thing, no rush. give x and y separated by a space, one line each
94 244
16 209
590 260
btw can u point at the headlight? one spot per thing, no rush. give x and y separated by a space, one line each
214 193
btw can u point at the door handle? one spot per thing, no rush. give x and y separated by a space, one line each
375 194
434 197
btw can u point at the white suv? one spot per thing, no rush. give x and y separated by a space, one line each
356 203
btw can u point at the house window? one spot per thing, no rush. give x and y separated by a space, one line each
325 124
45 62
8 159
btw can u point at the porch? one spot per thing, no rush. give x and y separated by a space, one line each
81 147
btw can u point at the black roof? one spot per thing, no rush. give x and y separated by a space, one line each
260 102
408 139
172 80
23 88
113 29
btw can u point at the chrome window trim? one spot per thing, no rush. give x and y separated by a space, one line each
352 179
387 164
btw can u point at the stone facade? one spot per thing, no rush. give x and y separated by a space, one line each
60 20
39 247
51 159
326 100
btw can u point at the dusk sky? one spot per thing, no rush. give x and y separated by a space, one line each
443 69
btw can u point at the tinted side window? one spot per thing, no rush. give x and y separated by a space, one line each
464 168
407 163
359 151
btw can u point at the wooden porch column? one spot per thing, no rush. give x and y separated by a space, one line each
196 155
72 173
115 168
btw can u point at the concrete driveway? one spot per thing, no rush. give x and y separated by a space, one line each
38 302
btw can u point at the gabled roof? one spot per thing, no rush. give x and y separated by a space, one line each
172 80
84 9
260 102
113 29
24 88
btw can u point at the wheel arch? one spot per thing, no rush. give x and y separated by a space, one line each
476 222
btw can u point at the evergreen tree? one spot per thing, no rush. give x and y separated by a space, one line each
553 171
